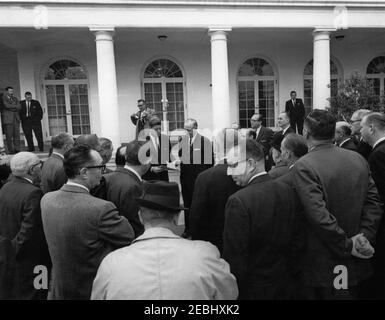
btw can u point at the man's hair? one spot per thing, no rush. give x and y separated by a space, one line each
321 124
254 150
377 119
293 91
22 162
90 140
120 156
141 100
60 140
344 127
360 113
76 158
154 121
132 153
28 93
7 88
194 122
296 144
286 114
105 143
260 117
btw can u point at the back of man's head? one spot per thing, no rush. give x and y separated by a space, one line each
120 156
22 162
377 120
59 141
133 155
90 140
106 149
360 113
154 121
296 144
254 150
76 158
320 125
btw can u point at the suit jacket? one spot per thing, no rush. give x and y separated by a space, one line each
295 112
259 228
160 265
20 222
161 156
53 176
337 205
349 145
36 112
122 187
193 163
80 230
141 122
11 108
207 213
265 137
363 148
279 170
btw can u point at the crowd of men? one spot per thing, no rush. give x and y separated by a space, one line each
267 215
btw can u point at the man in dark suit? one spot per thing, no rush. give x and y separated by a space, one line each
343 136
196 156
123 185
212 189
141 118
159 148
259 227
11 120
31 114
263 135
20 222
342 211
296 110
363 148
373 132
80 229
53 175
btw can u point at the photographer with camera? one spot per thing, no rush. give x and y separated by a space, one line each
141 118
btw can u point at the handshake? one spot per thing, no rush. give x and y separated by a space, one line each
361 247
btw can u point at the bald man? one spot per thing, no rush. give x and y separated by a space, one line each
20 222
343 136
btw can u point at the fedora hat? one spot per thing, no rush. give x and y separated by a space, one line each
160 195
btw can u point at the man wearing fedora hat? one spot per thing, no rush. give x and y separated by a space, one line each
159 265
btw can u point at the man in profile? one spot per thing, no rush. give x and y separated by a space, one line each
343 136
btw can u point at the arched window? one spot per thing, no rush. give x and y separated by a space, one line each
163 85
66 92
308 84
256 91
376 72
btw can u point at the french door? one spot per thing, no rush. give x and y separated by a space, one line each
67 107
257 95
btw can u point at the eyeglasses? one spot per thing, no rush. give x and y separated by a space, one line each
40 163
101 166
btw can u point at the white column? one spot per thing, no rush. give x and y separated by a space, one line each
321 68
107 85
220 78
1 136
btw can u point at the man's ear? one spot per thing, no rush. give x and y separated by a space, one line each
140 216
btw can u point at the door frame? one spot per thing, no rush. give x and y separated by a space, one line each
66 84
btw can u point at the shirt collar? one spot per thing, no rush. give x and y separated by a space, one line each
58 154
133 171
257 175
343 142
378 141
71 183
29 180
156 232
291 166
193 138
284 130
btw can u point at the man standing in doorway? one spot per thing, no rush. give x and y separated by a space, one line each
11 120
296 110
31 114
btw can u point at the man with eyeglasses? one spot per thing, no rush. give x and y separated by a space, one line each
20 222
260 224
80 229
363 148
